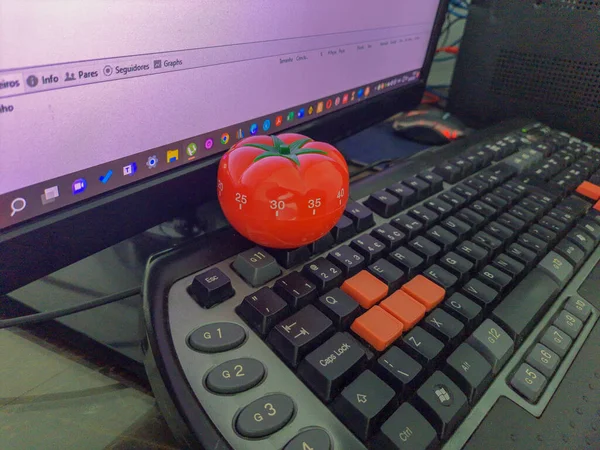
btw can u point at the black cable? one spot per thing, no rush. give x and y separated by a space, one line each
50 315
446 30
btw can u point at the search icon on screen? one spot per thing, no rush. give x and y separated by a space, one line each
17 205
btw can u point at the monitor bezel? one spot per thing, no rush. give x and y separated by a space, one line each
37 248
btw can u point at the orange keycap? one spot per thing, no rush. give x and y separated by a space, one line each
589 190
597 206
365 288
378 328
404 308
424 291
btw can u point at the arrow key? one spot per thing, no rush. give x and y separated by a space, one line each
364 404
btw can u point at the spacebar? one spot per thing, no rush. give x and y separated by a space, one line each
520 310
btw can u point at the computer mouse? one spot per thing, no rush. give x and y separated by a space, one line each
429 126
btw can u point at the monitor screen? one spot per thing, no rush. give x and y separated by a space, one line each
98 94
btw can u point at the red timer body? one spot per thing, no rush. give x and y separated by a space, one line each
283 191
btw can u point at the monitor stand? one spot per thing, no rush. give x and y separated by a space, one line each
113 332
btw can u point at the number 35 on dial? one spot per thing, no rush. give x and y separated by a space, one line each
283 191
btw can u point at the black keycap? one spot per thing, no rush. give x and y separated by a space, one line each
465 310
256 266
421 187
274 412
348 260
493 343
557 341
466 192
442 403
422 346
571 252
339 307
299 334
327 369
387 272
439 206
296 290
399 370
449 172
495 278
517 316
500 232
409 226
469 216
457 265
389 236
363 404
476 254
492 244
444 327
384 203
442 237
521 213
408 261
484 210
442 278
369 247
453 199
343 230
481 293
529 382
485 155
479 186
463 164
569 324
217 337
457 227
361 215
515 186
498 203
211 287
522 254
289 258
470 371
234 376
534 244
435 181
424 215
582 240
509 196
574 205
543 233
425 248
510 266
262 310
553 225
543 359
591 228
406 195
544 198
324 274
476 161
533 207
406 428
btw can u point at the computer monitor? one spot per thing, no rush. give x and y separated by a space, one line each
113 115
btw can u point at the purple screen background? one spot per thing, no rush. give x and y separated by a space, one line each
231 71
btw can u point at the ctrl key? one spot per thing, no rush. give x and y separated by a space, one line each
406 429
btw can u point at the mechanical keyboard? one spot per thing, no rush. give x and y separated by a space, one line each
432 297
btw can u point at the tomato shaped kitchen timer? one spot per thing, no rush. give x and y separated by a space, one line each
283 191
